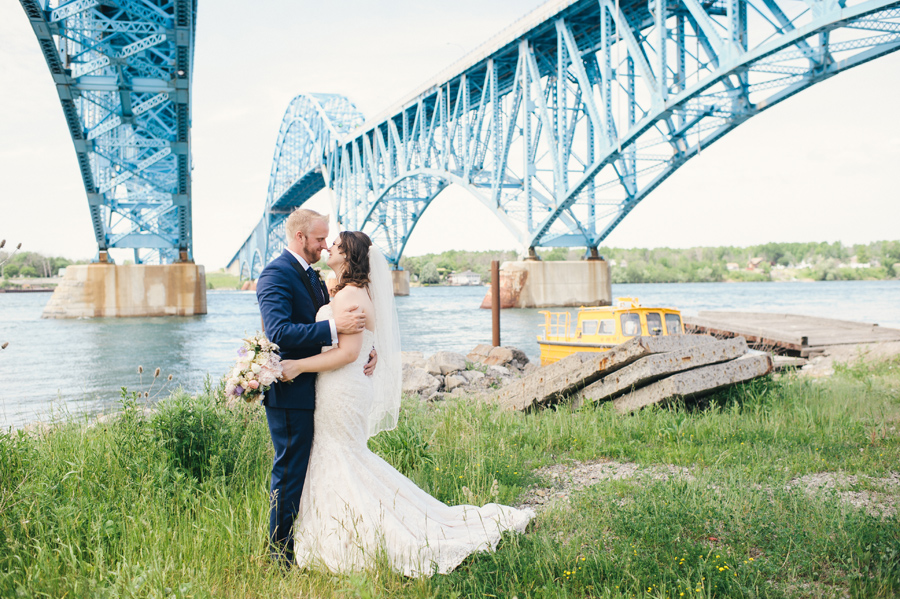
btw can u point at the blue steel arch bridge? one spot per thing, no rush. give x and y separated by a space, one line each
123 71
562 123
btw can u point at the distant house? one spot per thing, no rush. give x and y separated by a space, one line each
732 266
467 277
855 263
755 263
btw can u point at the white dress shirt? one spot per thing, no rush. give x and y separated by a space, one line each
331 323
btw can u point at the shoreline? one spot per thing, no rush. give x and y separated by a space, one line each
818 367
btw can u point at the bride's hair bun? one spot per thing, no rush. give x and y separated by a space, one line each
355 249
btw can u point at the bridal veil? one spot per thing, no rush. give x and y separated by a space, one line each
388 377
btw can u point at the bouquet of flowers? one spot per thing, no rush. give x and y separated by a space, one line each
257 367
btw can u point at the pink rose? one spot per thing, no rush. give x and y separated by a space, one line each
253 384
267 376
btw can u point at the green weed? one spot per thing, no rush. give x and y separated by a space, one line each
172 502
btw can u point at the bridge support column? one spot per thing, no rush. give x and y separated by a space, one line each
538 284
96 290
401 282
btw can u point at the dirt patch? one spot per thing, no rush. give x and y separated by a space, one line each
880 501
574 476
879 497
823 365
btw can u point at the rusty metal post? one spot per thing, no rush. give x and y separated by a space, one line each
495 300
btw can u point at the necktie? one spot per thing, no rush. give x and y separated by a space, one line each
317 287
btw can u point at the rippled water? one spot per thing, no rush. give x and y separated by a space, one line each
75 366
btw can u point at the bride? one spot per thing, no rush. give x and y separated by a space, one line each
355 506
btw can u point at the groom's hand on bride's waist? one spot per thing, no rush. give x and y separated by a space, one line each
351 322
369 368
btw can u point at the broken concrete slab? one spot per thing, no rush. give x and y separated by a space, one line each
788 362
550 384
696 382
657 366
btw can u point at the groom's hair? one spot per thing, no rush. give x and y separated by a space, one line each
301 219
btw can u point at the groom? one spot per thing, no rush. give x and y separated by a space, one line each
290 293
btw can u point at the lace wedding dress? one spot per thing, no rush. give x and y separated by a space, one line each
356 508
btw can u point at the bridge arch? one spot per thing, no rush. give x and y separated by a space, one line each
311 126
256 265
562 124
602 102
123 73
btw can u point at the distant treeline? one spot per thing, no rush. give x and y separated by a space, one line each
31 264
771 261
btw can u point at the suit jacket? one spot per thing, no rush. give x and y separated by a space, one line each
288 311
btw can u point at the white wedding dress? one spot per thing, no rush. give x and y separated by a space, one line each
356 508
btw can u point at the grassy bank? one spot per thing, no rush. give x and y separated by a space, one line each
173 503
222 280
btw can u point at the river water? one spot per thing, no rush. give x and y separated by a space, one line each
54 367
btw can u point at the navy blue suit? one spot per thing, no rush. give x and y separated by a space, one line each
288 304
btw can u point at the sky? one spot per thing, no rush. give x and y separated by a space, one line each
821 166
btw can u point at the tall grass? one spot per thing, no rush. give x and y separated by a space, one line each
173 503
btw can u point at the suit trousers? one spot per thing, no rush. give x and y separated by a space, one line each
292 433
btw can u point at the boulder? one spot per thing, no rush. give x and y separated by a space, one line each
480 353
519 356
413 358
498 371
446 362
472 375
419 380
499 355
452 381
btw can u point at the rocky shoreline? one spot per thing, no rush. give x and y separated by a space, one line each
451 374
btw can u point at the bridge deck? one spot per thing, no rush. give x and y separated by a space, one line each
505 37
789 332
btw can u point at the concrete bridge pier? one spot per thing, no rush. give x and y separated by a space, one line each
103 289
538 284
401 282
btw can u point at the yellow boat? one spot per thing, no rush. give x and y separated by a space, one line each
598 329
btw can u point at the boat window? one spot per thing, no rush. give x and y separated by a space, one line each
654 323
631 324
673 324
607 327
589 327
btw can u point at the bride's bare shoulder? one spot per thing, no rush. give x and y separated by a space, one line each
351 293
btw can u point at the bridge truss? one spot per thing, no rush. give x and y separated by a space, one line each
564 122
310 129
123 71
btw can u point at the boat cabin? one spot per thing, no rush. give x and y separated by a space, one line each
598 329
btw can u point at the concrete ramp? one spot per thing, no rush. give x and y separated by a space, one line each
792 333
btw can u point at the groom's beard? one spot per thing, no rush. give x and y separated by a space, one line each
311 256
